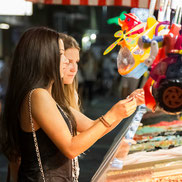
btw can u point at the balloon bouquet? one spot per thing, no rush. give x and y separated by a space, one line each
154 46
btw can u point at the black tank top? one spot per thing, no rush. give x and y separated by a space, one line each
57 167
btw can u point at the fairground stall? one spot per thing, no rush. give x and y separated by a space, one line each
151 46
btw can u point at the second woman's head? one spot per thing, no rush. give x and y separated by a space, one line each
72 53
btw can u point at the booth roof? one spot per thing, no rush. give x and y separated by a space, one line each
127 3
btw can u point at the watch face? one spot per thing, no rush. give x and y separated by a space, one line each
141 13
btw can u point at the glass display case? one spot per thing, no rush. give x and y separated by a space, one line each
156 155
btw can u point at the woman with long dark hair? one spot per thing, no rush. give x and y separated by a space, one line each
38 124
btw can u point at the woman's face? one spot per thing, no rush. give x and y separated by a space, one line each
72 54
63 60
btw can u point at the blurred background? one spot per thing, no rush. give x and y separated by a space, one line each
92 26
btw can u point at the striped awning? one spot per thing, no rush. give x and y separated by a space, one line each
128 3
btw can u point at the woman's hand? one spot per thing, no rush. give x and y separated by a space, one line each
139 96
121 110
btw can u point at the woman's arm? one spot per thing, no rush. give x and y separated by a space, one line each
84 123
138 95
48 117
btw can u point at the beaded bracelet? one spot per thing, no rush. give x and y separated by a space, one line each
105 123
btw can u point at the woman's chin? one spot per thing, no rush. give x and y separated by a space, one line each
68 82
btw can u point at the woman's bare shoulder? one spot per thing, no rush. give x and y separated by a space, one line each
40 93
41 97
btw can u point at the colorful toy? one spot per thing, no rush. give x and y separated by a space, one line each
155 48
130 22
125 37
140 56
132 60
153 44
158 67
130 26
167 74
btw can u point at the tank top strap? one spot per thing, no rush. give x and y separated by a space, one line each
68 122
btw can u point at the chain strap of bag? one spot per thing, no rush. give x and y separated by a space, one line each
35 139
75 165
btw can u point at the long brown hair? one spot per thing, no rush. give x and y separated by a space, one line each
71 90
35 64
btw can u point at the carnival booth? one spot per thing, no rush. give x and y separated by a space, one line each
152 47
